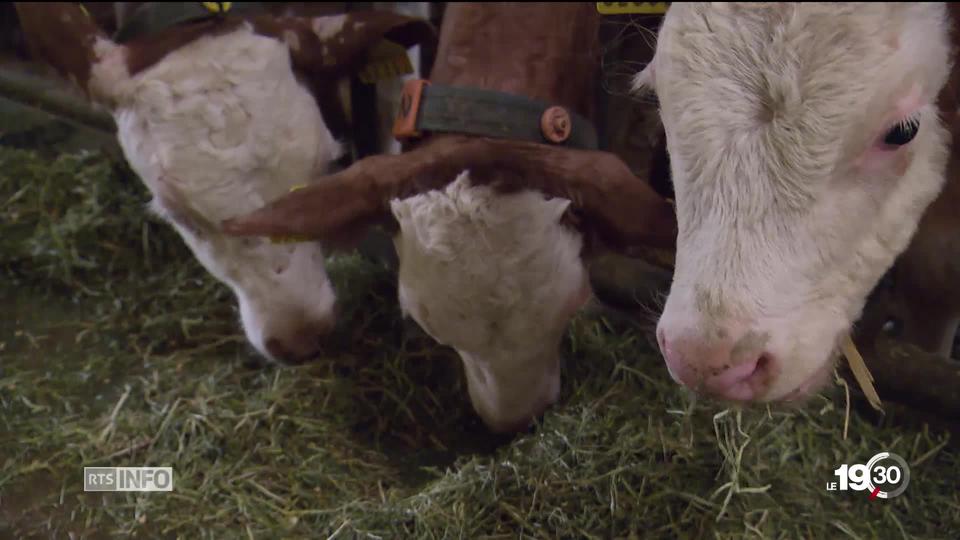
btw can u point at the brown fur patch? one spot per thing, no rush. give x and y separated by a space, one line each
347 50
62 35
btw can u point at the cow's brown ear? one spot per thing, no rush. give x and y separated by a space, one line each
344 43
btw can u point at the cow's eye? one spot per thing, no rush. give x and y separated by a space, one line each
903 132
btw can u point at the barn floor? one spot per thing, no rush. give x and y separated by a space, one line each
116 349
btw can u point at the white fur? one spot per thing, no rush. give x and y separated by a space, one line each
767 109
328 26
497 278
217 129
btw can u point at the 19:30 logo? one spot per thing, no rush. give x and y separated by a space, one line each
885 476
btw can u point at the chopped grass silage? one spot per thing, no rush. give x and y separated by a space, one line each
117 349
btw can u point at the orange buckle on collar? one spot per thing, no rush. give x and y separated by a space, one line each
405 126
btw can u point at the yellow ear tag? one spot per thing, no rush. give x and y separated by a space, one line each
217 7
86 13
294 238
385 60
632 8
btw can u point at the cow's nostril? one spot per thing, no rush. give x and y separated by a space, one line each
731 376
740 382
764 363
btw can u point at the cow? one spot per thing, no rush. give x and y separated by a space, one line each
919 303
805 145
216 116
493 230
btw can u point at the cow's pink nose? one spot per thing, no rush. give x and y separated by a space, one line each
722 368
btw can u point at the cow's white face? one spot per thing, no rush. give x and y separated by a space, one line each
286 299
805 146
497 278
218 128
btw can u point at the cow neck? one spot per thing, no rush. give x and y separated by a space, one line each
543 52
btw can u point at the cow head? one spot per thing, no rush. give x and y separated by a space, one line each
805 145
216 119
496 277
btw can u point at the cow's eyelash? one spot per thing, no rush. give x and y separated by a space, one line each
902 132
912 120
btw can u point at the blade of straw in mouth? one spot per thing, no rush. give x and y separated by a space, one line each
860 372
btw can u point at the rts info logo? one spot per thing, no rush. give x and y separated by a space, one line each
885 476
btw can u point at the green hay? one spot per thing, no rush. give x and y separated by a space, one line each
117 349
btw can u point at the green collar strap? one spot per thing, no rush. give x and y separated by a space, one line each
426 107
152 17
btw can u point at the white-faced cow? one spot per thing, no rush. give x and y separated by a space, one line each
494 273
215 115
805 145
